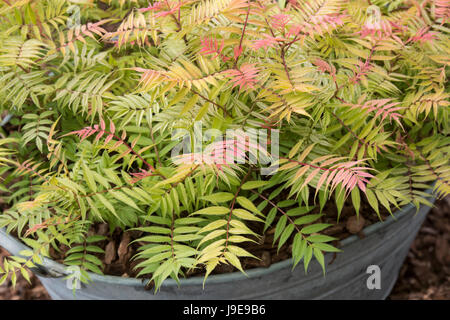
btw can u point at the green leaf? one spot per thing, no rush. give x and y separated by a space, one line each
356 200
25 274
107 204
308 256
186 229
298 211
213 225
3 278
125 199
285 235
247 204
245 215
210 266
188 220
95 238
218 197
325 247
320 238
372 199
187 237
156 239
307 219
214 210
340 199
253 184
92 267
158 257
240 252
89 177
240 228
94 249
320 258
298 249
155 229
315 228
231 258
281 224
93 259
212 235
270 217
190 104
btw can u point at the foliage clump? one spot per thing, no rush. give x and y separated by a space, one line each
352 93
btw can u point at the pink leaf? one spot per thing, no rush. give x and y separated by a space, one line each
108 138
423 35
211 46
442 10
155 6
237 52
99 135
140 175
362 186
112 127
268 41
170 11
279 21
245 77
324 66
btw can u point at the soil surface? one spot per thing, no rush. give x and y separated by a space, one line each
425 274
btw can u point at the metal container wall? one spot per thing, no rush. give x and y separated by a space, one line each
385 244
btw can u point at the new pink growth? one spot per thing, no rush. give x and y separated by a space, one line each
100 130
349 175
138 176
244 77
223 153
382 107
279 21
237 52
323 66
317 25
155 6
326 22
423 35
170 11
442 10
267 42
84 133
363 69
213 46
148 75
383 29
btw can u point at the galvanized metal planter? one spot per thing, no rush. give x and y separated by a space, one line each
385 244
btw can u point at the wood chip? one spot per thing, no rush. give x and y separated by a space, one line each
110 252
123 246
355 224
103 229
266 259
442 249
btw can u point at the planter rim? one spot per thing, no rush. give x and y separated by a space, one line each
52 266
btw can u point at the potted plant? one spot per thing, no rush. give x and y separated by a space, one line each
184 141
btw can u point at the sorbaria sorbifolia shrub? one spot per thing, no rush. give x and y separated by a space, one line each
194 121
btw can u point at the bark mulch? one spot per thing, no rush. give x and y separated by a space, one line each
425 274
